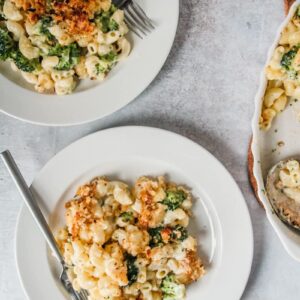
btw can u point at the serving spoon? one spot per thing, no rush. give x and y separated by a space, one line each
286 208
37 214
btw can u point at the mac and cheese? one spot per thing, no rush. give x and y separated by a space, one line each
123 243
283 73
84 38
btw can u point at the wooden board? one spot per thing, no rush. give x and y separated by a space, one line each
250 173
287 5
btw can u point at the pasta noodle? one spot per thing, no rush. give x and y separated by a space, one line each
11 12
16 29
86 37
110 249
282 73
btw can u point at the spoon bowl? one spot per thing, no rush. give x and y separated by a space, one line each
284 199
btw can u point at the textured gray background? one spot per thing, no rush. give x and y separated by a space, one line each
205 91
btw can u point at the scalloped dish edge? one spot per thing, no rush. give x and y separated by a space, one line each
285 234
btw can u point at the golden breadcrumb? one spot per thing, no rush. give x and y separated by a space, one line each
76 14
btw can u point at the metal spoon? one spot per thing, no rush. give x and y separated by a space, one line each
286 208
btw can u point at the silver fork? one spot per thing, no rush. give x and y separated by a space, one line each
41 222
135 17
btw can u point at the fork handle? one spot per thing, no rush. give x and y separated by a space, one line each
31 202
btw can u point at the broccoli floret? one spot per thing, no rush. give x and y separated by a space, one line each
132 270
113 25
109 57
9 49
56 50
287 60
292 74
7 44
68 55
179 233
155 237
176 234
72 50
46 22
171 289
105 22
106 63
113 9
288 57
127 216
75 50
23 63
66 63
100 69
174 199
298 12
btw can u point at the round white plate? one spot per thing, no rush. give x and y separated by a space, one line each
92 100
221 220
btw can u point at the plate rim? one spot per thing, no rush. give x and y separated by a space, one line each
243 203
116 107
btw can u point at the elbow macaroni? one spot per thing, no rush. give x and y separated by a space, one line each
49 42
11 12
16 29
282 72
109 248
27 49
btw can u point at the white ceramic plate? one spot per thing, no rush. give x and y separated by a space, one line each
267 153
221 220
91 100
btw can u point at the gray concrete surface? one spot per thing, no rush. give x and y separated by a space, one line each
205 91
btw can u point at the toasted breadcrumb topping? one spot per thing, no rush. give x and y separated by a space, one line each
109 241
76 14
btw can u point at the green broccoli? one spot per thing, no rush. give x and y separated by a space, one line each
68 55
174 199
127 216
75 50
179 233
171 289
24 64
113 25
106 63
57 50
155 237
288 57
7 44
110 57
9 49
105 22
100 69
292 74
132 270
66 63
298 12
172 234
46 22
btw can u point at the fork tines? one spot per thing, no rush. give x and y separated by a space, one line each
136 19
83 294
76 295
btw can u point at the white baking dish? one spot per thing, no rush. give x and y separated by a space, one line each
281 141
